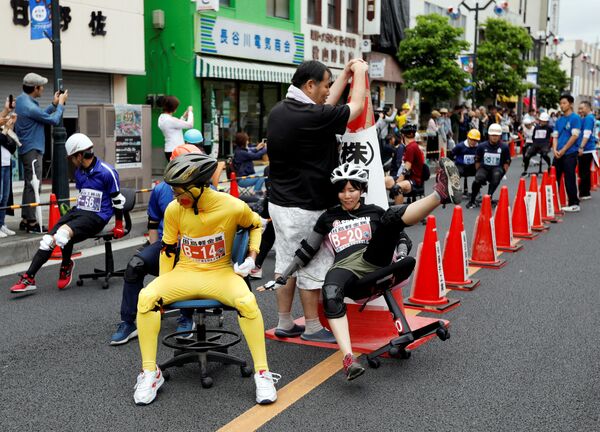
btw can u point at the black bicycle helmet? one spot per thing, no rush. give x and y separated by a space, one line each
190 169
409 129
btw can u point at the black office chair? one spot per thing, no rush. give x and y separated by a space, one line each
381 283
107 235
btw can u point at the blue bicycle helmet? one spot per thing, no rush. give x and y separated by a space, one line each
193 136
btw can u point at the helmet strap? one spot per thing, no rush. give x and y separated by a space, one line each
196 199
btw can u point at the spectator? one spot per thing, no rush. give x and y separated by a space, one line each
29 127
433 140
171 127
302 152
463 124
484 122
445 133
405 113
7 148
383 128
243 161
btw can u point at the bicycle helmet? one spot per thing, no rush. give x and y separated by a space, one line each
78 142
193 136
184 149
409 129
350 172
190 169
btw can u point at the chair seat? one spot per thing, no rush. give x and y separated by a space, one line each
401 269
198 304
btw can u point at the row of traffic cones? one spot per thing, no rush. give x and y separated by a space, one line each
492 233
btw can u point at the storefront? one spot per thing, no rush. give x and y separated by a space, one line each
386 79
237 94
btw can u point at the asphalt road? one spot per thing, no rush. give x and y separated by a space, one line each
523 356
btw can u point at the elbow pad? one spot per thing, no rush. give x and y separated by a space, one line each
118 201
306 252
153 225
168 249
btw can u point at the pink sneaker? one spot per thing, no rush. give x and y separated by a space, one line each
25 284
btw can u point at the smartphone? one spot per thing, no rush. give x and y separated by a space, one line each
10 101
264 140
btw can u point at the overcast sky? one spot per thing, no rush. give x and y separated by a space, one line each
580 19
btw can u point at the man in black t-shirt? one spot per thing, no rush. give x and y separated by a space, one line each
302 153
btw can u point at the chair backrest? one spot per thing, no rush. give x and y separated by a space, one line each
240 246
130 196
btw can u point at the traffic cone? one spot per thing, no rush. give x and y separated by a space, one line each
484 252
537 214
456 261
503 224
520 221
233 186
512 149
53 217
593 176
428 291
442 152
555 201
562 193
547 200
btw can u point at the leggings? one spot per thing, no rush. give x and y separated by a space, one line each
187 284
266 244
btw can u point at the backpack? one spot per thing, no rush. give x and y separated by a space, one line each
426 173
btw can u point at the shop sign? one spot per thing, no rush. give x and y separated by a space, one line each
128 136
41 19
377 69
333 49
232 38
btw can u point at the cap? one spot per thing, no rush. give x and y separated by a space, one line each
33 79
444 110
544 116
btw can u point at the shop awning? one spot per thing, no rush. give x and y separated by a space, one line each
212 67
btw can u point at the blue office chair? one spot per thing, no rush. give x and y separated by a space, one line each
209 345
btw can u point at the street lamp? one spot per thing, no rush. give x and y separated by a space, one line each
573 57
538 42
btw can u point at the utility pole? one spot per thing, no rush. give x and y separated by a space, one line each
572 57
60 182
475 9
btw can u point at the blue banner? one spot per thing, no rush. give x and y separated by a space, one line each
41 19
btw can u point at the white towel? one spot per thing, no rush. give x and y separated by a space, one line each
297 94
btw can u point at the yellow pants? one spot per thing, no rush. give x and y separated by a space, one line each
184 284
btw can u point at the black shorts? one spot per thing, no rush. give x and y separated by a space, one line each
466 170
83 223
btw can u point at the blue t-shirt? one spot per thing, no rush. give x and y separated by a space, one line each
589 123
96 185
492 156
464 154
564 128
161 196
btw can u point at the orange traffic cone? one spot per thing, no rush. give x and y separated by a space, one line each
503 224
484 252
547 200
512 149
537 214
593 176
555 201
53 217
455 261
520 220
562 193
233 186
428 291
442 152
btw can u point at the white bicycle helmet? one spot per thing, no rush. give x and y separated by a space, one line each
349 171
76 143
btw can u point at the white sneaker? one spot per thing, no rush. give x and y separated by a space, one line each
265 387
3 234
4 229
148 383
572 209
585 198
256 273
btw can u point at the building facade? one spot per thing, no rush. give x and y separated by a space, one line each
581 61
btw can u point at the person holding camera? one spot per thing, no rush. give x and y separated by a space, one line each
171 126
8 145
29 127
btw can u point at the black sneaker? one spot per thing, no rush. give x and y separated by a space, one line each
23 226
448 182
36 229
352 368
471 205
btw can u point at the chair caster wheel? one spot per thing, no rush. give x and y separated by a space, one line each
374 363
166 375
95 277
79 282
400 353
221 319
206 382
442 333
246 371
104 285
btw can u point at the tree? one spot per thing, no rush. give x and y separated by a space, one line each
552 82
501 68
429 55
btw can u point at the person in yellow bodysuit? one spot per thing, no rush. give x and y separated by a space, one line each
204 222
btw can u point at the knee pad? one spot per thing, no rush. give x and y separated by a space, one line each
62 237
47 243
247 306
148 302
333 301
135 269
393 215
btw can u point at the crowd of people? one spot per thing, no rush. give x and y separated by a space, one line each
309 200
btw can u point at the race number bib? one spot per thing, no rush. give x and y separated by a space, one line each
541 134
491 159
90 200
469 159
204 249
349 233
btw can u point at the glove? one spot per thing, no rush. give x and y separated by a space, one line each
244 269
273 285
118 230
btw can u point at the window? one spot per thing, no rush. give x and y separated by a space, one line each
278 8
313 11
225 3
352 16
333 14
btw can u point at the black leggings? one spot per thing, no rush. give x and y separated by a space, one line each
531 151
491 175
266 243
338 281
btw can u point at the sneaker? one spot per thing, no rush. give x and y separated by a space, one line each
583 198
471 205
66 275
572 209
124 333
23 225
402 248
256 273
295 331
25 284
448 182
3 235
4 229
265 387
322 335
36 229
147 385
352 368
185 324
524 174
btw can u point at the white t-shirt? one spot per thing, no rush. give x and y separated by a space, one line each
171 128
5 156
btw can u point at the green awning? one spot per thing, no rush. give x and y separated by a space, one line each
213 67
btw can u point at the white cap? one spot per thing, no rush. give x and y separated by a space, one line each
544 116
527 120
76 143
495 129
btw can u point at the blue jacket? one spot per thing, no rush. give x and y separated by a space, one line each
160 198
31 120
96 185
242 160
